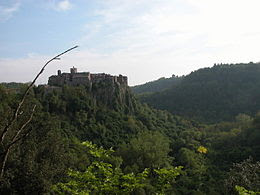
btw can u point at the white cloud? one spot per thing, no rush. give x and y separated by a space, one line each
63 5
6 12
148 39
176 36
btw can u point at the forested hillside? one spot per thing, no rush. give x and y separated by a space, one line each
157 85
12 85
139 150
212 94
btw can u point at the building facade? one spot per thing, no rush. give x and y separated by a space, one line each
75 78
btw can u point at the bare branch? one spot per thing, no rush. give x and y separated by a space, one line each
15 139
18 139
5 156
14 118
19 134
16 136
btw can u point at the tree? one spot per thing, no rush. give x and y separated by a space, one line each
149 149
243 191
244 174
15 128
102 177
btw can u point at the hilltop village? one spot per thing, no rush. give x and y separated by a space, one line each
75 78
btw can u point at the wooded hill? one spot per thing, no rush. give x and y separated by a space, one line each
211 94
139 149
157 85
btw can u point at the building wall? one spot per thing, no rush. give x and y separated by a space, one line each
84 78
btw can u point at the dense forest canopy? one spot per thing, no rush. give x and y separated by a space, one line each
212 94
81 141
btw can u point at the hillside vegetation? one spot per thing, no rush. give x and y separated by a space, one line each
157 85
105 141
212 94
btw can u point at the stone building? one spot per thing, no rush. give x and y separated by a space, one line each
75 78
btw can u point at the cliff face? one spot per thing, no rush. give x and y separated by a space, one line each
114 95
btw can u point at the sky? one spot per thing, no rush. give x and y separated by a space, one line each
142 39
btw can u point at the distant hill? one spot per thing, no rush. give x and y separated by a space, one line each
12 85
212 94
157 85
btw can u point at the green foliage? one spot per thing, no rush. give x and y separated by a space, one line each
246 174
243 191
149 143
103 178
146 150
212 94
165 177
13 85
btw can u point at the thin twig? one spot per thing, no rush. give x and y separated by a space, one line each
5 156
10 123
14 118
16 136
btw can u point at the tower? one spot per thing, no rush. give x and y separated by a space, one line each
73 70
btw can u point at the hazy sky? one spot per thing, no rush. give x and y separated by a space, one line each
142 39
